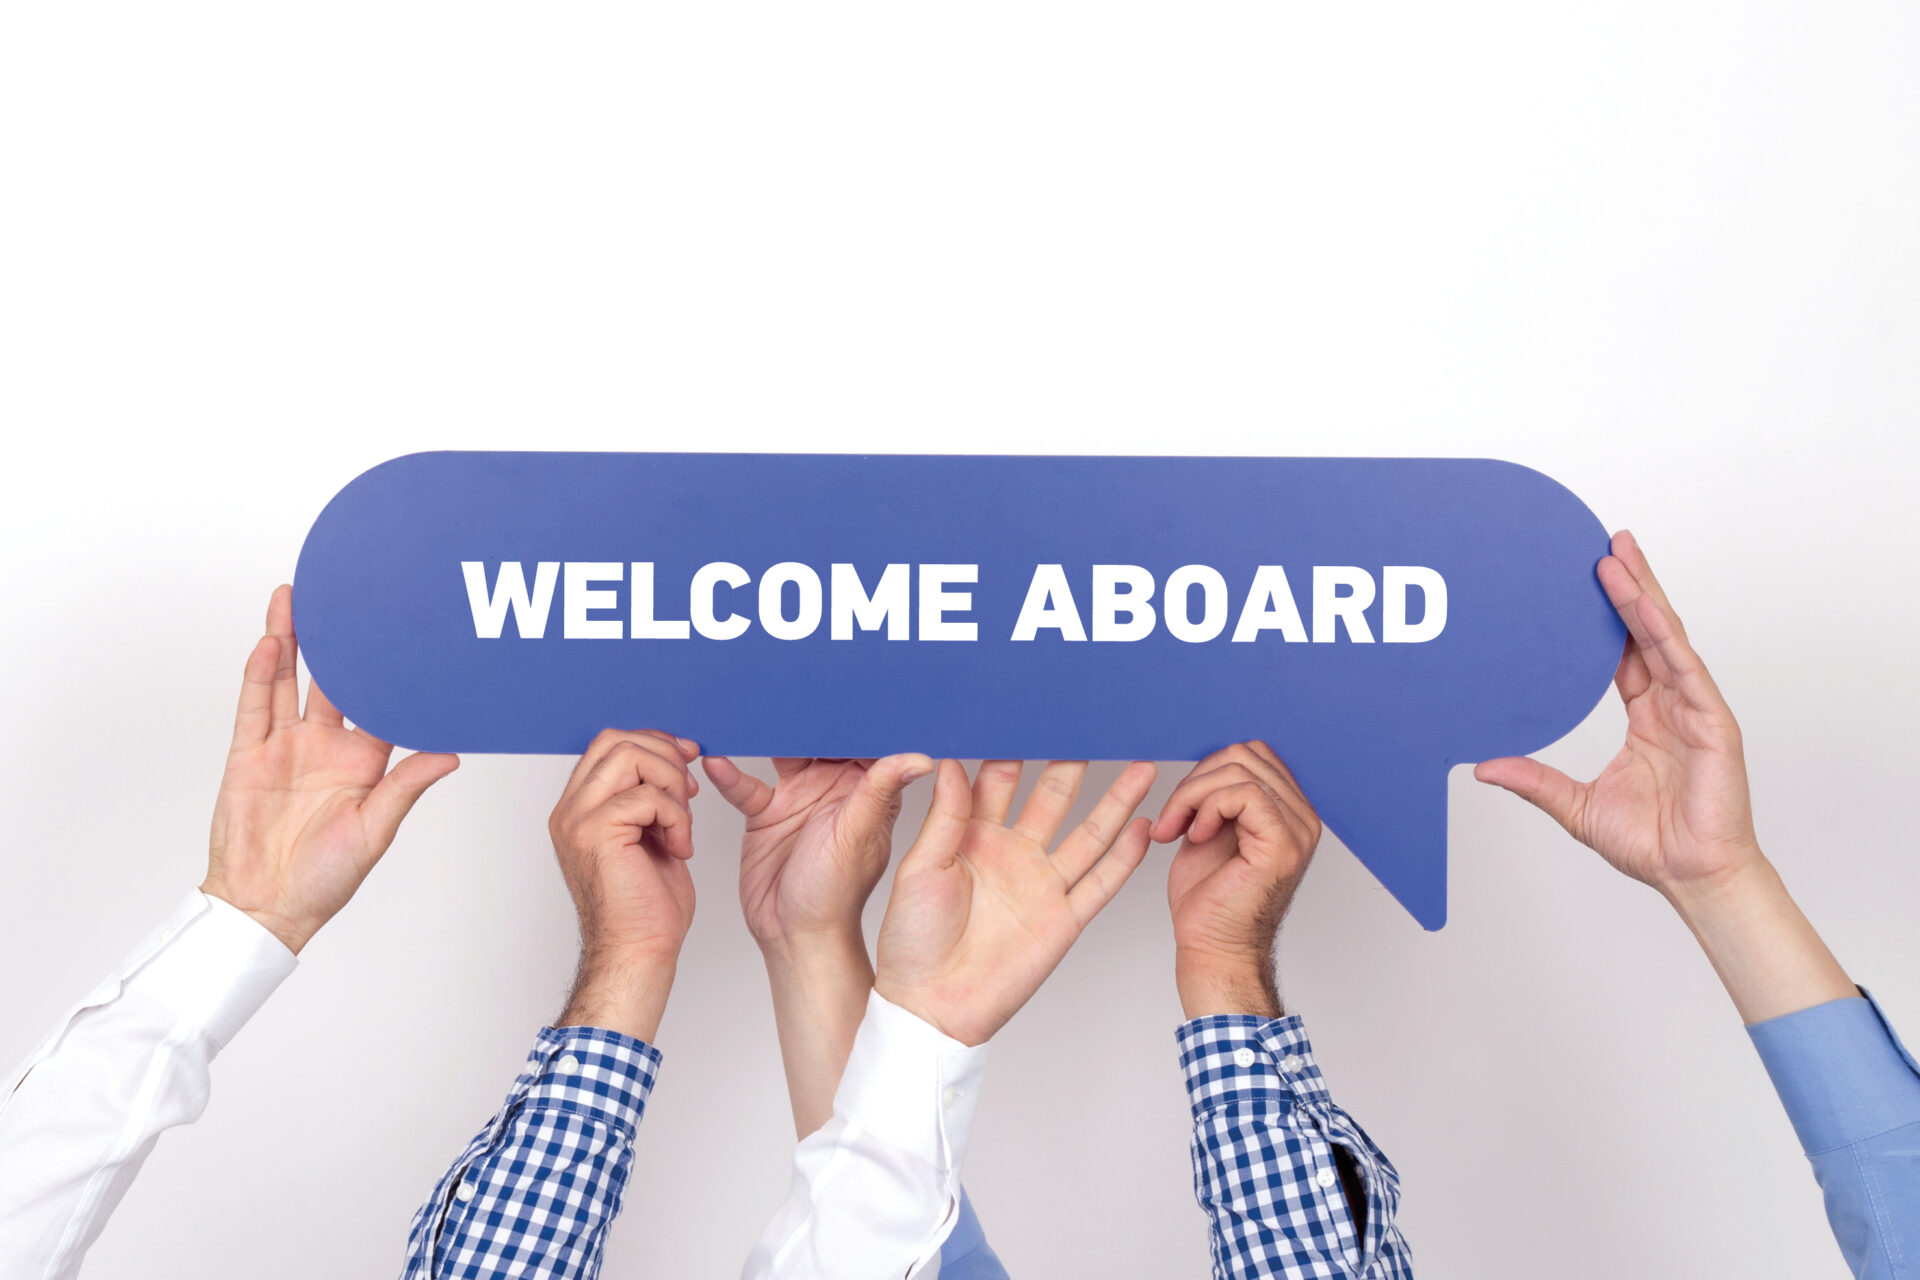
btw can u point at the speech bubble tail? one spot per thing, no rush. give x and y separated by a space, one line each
1400 835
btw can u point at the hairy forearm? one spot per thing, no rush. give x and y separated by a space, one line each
621 992
1213 984
819 988
1767 954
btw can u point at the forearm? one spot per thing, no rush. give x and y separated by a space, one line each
621 991
1767 954
537 1189
81 1115
1210 983
819 988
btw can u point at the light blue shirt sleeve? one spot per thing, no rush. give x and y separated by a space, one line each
966 1255
1853 1094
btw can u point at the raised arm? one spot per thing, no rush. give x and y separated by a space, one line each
1291 1185
980 915
306 808
535 1192
1672 811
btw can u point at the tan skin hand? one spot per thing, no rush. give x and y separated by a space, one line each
1672 808
623 833
981 913
816 842
1249 835
307 805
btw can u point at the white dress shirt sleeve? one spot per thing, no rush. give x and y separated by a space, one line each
877 1189
79 1116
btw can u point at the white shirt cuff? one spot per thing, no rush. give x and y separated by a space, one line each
911 1085
211 964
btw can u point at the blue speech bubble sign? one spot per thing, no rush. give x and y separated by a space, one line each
1377 620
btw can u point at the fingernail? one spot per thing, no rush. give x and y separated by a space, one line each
688 745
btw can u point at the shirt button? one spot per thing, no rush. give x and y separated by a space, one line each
1290 1063
1243 1057
166 935
1326 1179
568 1063
950 1097
464 1192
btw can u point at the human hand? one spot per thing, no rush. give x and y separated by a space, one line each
816 842
1249 836
1671 809
306 805
623 835
980 913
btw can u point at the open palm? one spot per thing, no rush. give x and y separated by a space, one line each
981 913
1673 805
306 805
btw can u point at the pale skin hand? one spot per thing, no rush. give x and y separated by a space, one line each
1250 834
307 806
981 914
623 833
816 843
1672 809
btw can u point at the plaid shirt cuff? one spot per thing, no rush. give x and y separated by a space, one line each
590 1069
535 1191
1231 1058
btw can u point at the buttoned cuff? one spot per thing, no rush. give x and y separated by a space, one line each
1841 1073
911 1085
211 964
1229 1058
591 1070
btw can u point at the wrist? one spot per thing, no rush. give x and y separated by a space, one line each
1210 983
623 991
293 934
1703 900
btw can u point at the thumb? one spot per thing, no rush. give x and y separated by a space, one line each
947 817
393 796
1544 787
875 803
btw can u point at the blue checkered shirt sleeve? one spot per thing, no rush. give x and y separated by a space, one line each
1264 1132
533 1194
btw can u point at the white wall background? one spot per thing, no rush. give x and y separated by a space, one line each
1668 254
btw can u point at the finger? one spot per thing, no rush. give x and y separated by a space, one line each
787 766
658 820
393 797
736 786
1184 804
1625 595
634 764
1083 847
1247 804
993 789
1631 677
254 717
320 708
1542 786
875 803
1627 549
1686 672
607 739
1096 889
946 823
1052 800
286 671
